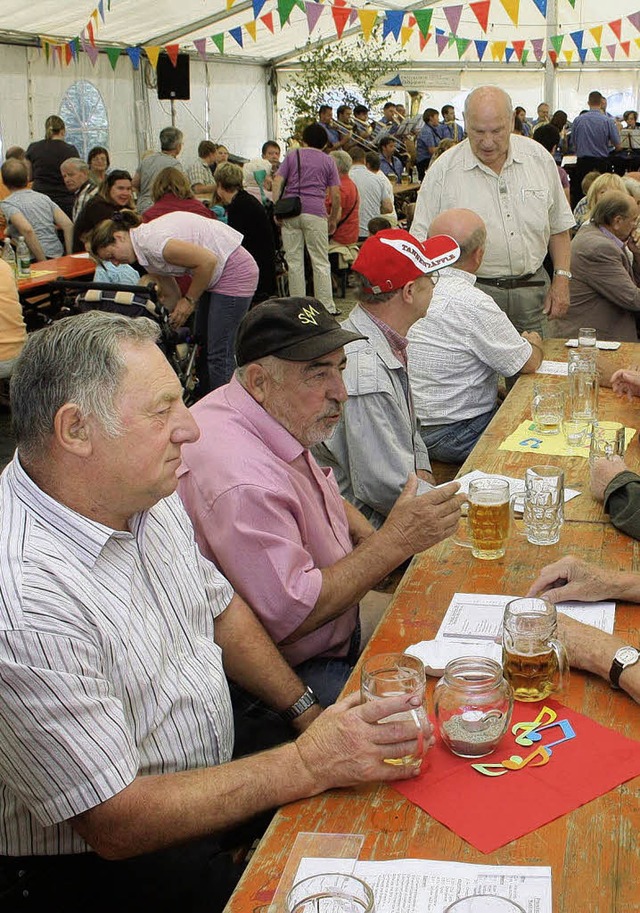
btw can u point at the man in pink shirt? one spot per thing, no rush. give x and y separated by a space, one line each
273 520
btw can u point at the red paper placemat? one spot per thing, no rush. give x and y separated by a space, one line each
488 812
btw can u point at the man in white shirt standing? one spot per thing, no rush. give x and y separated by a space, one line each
375 198
458 349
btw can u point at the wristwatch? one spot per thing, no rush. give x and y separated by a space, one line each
563 272
625 656
307 700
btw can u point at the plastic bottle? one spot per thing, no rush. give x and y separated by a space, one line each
23 255
8 255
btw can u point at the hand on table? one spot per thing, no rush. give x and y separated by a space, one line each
417 522
602 472
572 579
626 382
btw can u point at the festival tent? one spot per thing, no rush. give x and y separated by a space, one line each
98 64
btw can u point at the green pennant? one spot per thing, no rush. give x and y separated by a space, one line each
462 44
113 54
284 10
300 3
423 18
46 50
218 40
525 54
452 38
597 53
573 4
556 41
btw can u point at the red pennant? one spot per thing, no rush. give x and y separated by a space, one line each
172 50
339 2
411 22
553 57
268 21
68 53
616 27
90 31
424 41
481 12
518 47
625 45
340 17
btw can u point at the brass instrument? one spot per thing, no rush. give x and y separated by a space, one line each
356 139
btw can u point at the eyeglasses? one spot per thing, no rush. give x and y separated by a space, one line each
434 278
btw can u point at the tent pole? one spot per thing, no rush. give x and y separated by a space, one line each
550 70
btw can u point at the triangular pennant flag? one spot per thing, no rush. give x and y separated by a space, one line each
172 52
597 52
556 41
230 4
92 40
251 28
68 54
498 49
94 16
625 45
553 57
596 34
424 41
152 53
340 18
267 19
200 44
481 12
353 15
537 44
450 39
508 54
612 50
236 33
453 14
218 40
75 47
284 10
313 11
93 53
134 56
525 54
101 9
441 41
634 19
411 22
405 34
439 31
45 45
392 23
423 18
578 38
367 21
462 44
113 54
542 6
257 7
637 42
481 47
56 54
616 28
582 54
518 47
512 9
568 56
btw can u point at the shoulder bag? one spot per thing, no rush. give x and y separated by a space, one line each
288 207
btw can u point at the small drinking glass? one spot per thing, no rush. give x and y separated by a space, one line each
484 903
607 440
488 517
576 432
547 409
391 675
587 337
543 513
330 893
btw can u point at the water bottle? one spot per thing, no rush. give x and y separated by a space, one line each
8 255
583 385
23 255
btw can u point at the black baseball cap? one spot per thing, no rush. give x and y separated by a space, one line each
296 329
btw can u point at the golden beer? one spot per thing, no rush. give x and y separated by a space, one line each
533 677
488 520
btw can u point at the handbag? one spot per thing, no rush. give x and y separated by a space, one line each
288 207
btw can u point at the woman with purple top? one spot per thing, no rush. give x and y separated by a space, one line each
308 173
224 276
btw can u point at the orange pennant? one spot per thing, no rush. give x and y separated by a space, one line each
268 21
425 41
68 54
481 12
553 57
172 50
340 17
616 28
90 32
518 47
625 45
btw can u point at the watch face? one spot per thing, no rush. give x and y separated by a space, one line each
627 655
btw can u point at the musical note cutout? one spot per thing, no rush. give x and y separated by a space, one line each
545 717
532 442
484 769
527 734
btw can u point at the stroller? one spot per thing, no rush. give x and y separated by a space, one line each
180 347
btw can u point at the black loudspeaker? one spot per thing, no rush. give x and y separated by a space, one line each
173 82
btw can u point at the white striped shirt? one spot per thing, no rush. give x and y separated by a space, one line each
108 665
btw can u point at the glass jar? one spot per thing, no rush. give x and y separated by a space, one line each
473 704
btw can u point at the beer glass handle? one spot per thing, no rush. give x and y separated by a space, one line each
461 535
418 716
516 506
563 664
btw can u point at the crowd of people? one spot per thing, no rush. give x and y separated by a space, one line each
180 602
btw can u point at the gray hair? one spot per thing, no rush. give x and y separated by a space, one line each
170 139
610 205
366 297
274 365
487 90
343 160
470 245
632 187
74 360
77 165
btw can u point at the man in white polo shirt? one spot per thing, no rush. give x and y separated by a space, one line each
458 349
375 198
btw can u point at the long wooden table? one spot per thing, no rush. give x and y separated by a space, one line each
593 850
71 266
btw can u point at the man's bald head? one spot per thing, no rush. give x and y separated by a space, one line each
14 174
490 97
468 229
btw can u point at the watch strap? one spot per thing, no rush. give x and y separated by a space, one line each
619 665
304 702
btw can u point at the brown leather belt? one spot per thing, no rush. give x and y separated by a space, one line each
510 282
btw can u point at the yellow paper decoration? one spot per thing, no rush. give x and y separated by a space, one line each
568 56
596 34
405 34
251 28
230 4
367 21
637 41
94 15
497 49
512 8
152 53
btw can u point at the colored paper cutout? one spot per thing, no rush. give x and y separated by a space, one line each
524 440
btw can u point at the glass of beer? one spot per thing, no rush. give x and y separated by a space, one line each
391 675
329 893
534 662
547 409
488 517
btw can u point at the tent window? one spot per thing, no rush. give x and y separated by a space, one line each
85 116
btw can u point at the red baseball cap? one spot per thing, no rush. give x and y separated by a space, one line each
393 257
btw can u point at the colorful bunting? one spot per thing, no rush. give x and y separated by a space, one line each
441 43
616 27
93 53
101 9
572 3
230 4
172 53
625 45
68 54
612 50
525 54
512 9
152 53
392 23
92 39
353 15
556 41
596 34
367 21
405 34
481 12
424 41
236 34
452 15
200 44
597 53
251 28
518 47
313 11
634 19
553 57
134 56
542 6
481 47
257 7
267 20
537 44
508 54
462 44
582 54
578 38
340 18
498 49
423 18
284 10
218 40
113 54
568 56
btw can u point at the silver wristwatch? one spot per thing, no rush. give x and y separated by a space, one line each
625 656
304 702
563 272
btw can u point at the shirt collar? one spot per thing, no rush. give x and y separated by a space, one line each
513 155
397 343
611 236
450 272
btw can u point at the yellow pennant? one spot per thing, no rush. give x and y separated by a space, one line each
568 56
597 34
94 15
497 49
405 34
367 21
637 41
230 4
152 53
251 28
512 8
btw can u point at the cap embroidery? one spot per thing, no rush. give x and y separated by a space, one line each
308 315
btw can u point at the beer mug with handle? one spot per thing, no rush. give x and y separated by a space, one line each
534 661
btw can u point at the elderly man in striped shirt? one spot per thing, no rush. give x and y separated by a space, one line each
116 636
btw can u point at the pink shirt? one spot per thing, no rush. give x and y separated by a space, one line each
267 515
